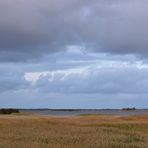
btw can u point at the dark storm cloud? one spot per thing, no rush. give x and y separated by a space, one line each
31 28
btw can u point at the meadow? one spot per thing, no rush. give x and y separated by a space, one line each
85 131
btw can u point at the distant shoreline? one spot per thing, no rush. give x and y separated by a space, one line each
49 109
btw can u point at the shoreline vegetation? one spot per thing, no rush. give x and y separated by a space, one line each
9 111
128 109
103 131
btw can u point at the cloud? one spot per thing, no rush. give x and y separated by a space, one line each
70 49
75 80
30 29
109 77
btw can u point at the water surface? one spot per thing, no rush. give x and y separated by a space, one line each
86 111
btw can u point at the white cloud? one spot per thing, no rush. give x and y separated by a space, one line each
35 76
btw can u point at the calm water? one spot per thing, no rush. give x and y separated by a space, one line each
79 112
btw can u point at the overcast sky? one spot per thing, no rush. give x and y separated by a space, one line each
74 53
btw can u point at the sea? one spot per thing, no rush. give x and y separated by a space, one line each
77 112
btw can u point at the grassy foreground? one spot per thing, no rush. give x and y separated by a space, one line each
28 131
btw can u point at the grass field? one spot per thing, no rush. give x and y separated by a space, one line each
89 131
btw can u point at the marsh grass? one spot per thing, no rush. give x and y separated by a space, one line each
30 131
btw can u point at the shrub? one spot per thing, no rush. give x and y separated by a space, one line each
8 111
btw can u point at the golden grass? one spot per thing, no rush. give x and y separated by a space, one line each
30 131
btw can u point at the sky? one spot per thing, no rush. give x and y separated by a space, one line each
74 53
